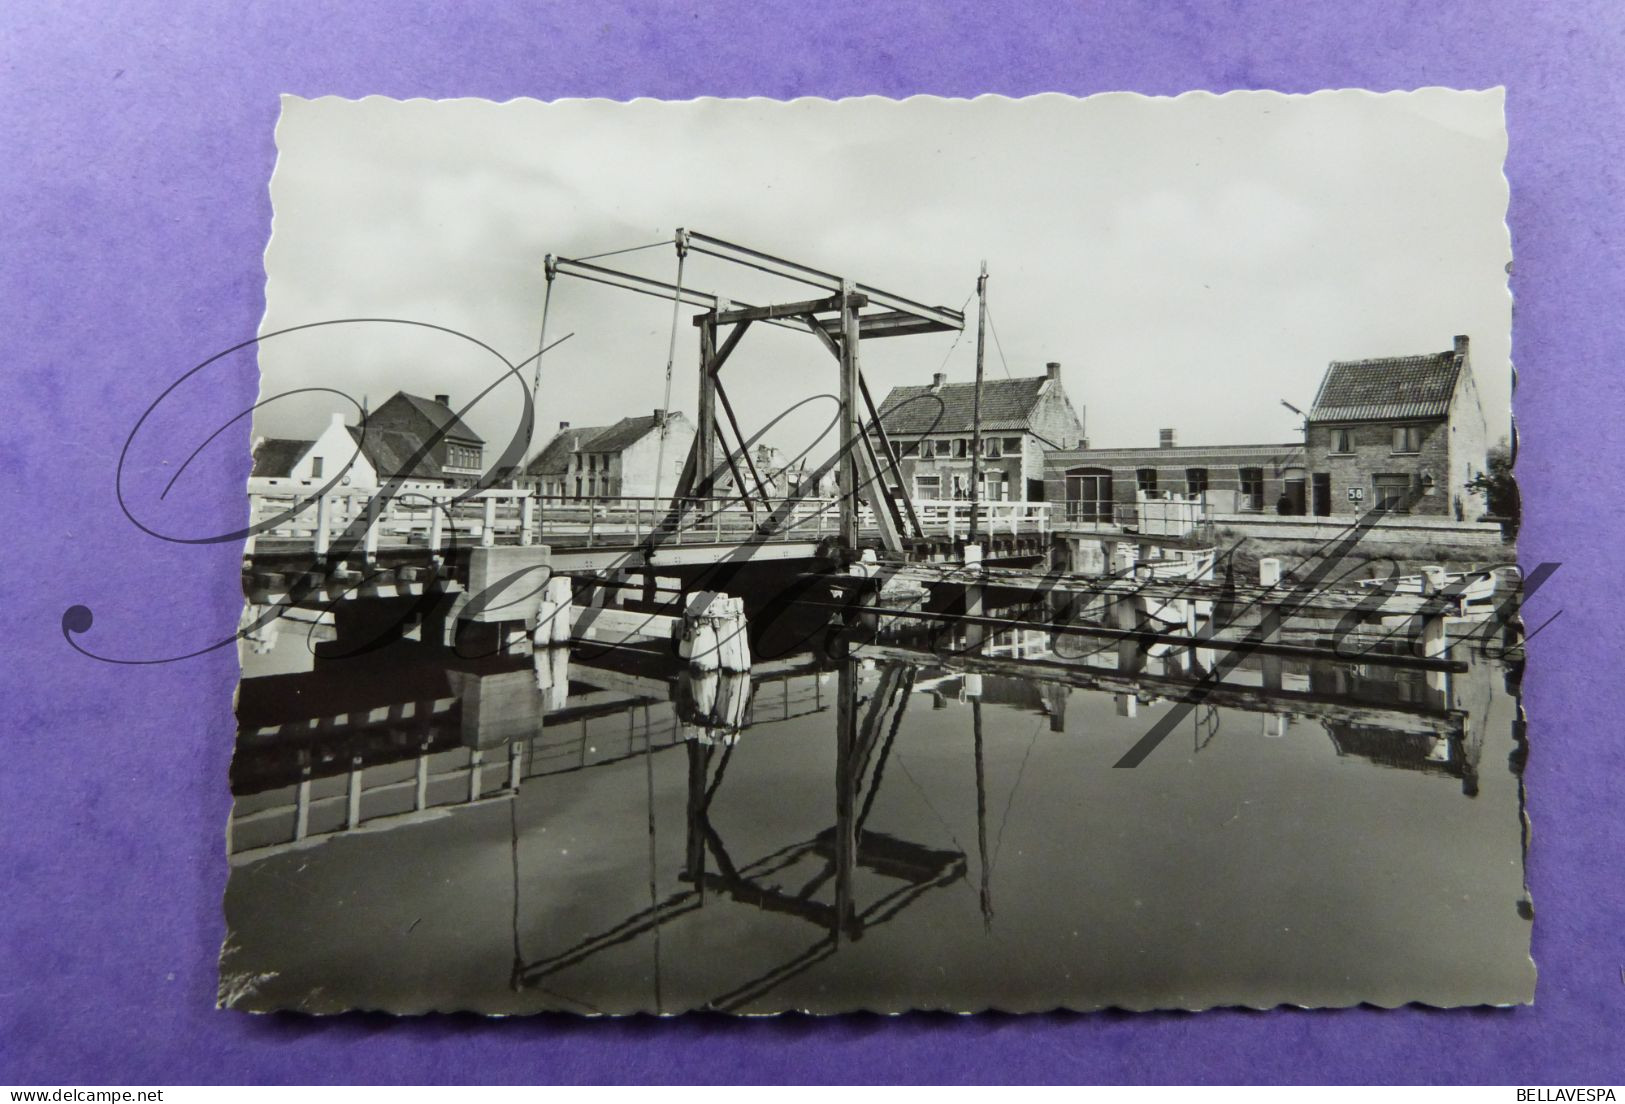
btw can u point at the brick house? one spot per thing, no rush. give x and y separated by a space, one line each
406 422
1023 419
1405 433
1105 485
612 461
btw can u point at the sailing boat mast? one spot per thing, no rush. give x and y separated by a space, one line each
976 405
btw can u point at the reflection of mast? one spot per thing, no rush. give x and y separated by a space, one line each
981 815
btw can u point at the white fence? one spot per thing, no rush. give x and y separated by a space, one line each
444 517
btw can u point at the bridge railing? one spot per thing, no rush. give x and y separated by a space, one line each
440 517
953 516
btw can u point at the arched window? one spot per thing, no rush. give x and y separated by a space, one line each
1089 494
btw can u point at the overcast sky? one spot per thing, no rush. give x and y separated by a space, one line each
1190 261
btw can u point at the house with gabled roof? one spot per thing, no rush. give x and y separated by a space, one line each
618 460
1405 433
331 457
281 458
402 426
931 427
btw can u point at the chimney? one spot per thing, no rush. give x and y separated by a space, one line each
1165 438
660 416
443 400
564 425
1053 369
1461 344
938 379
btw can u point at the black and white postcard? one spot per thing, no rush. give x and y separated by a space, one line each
881 555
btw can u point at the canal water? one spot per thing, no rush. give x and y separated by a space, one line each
862 824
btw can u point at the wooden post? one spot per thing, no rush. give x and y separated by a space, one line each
375 511
846 842
322 521
705 431
1129 611
697 754
1270 633
352 809
850 426
488 526
975 634
301 816
527 519
437 522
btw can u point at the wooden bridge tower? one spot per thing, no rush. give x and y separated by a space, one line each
840 320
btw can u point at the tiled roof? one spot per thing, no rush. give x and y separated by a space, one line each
441 416
625 432
1388 387
388 451
1006 404
274 457
554 459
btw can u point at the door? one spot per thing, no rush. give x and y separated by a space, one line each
1322 491
1293 491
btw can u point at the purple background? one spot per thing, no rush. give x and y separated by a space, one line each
134 158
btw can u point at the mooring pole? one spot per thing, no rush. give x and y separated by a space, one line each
976 404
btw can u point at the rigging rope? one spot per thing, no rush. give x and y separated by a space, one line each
618 252
993 328
961 333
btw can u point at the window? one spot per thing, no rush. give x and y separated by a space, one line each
990 448
927 486
928 450
959 448
1343 440
1252 488
1012 445
1408 439
1391 492
315 467
1196 481
911 448
1147 479
1089 495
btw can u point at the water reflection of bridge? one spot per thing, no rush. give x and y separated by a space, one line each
352 744
354 747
